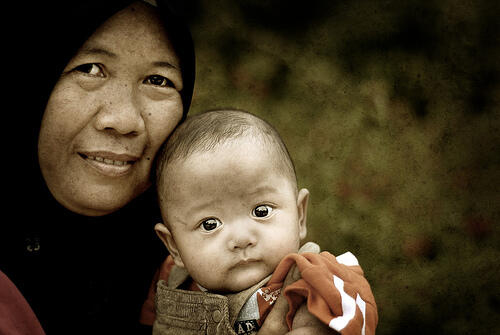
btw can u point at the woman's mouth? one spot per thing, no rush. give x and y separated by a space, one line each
109 164
109 161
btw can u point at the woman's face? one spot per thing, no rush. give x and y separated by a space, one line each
115 103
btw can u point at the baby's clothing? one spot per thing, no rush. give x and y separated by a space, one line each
333 288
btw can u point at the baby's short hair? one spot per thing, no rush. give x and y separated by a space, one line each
207 131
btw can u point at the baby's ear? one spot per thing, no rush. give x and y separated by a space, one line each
302 201
166 236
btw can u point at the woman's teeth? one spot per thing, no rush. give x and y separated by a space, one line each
107 161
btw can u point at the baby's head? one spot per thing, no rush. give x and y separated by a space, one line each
229 200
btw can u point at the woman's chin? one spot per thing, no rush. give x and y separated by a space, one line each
96 201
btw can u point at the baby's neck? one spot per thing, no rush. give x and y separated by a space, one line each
201 287
261 282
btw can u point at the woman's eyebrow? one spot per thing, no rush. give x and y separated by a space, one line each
98 51
165 64
101 51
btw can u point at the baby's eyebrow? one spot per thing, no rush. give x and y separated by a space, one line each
177 220
191 211
262 189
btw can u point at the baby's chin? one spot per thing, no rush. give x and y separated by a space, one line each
237 282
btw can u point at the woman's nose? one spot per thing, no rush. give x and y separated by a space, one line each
241 238
120 111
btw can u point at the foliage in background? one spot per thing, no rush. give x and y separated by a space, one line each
390 112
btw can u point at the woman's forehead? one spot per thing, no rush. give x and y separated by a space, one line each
136 30
137 21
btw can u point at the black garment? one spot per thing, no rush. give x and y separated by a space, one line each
87 275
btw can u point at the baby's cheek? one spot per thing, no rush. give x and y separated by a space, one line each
205 268
275 257
280 250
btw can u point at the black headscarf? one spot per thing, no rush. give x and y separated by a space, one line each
90 274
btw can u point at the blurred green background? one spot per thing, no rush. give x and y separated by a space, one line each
390 112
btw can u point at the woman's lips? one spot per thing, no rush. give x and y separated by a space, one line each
109 163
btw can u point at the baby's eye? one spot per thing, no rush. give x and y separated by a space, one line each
91 69
210 224
262 211
157 80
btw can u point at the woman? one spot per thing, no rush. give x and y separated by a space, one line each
97 91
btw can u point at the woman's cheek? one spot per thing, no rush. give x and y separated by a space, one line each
161 121
71 105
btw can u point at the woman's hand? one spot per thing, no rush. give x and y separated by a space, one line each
304 323
275 323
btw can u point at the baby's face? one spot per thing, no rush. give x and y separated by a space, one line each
232 216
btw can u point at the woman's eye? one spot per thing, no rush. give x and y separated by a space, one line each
91 69
262 211
210 224
158 80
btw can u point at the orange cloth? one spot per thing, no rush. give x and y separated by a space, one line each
16 316
334 288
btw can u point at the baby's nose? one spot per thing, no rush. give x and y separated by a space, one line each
241 238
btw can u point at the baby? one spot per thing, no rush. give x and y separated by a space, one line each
233 222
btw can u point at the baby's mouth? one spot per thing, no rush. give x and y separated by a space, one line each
246 261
